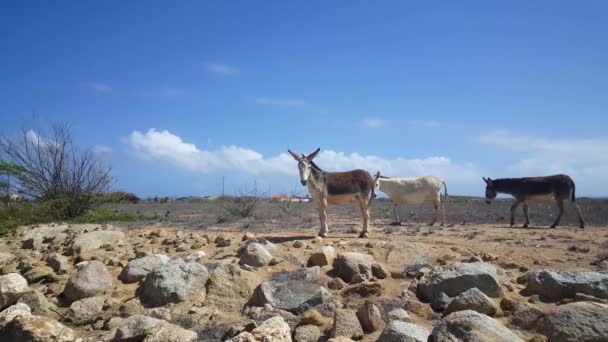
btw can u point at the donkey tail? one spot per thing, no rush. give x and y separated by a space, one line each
573 198
445 193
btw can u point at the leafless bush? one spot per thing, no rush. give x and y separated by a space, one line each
70 180
245 204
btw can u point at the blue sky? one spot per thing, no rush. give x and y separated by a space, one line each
174 96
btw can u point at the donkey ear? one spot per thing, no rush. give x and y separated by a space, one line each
484 179
313 155
294 155
377 175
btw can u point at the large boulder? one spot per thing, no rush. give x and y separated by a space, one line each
370 318
470 325
349 264
36 237
346 324
527 316
557 285
580 321
137 269
472 299
148 329
174 282
255 254
92 279
14 311
292 296
230 287
36 301
86 310
93 240
12 286
36 329
58 263
398 331
459 277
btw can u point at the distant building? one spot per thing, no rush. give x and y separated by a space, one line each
288 198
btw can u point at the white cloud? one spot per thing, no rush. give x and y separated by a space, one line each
221 69
166 147
101 150
100 88
373 123
278 102
586 159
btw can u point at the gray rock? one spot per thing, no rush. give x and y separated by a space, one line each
270 247
307 333
130 308
557 285
379 271
398 315
346 324
93 240
174 282
14 311
92 279
86 310
12 287
472 299
58 263
6 257
229 287
348 265
148 329
160 313
292 296
322 257
580 321
527 316
137 269
274 329
460 277
370 318
307 275
254 254
397 331
36 329
440 302
36 301
470 325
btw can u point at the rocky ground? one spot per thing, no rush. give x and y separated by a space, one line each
158 282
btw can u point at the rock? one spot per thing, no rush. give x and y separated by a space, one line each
472 299
336 284
254 254
293 296
346 324
459 277
274 329
507 304
14 311
580 321
440 302
137 269
557 285
397 331
93 240
379 271
238 327
527 316
307 333
322 257
470 325
6 257
248 236
160 313
370 318
313 317
298 244
12 287
40 273
349 264
58 263
36 301
398 315
86 310
308 275
275 261
148 329
244 337
174 282
270 247
92 279
195 256
36 329
130 308
229 287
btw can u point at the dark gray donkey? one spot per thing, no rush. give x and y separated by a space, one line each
533 189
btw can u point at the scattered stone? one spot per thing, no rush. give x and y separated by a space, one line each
370 318
336 284
459 277
229 287
36 329
298 244
92 279
313 317
275 261
182 247
307 333
472 299
86 310
322 257
174 282
557 285
248 236
6 257
274 329
441 302
346 324
137 269
254 254
36 301
399 315
470 325
144 328
14 311
94 240
397 331
58 263
527 316
379 271
364 290
507 304
349 264
12 287
580 321
292 296
130 308
160 313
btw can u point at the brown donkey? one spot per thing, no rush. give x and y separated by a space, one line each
557 187
335 188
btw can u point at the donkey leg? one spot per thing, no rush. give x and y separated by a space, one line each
432 223
397 221
443 207
525 207
323 217
581 220
560 207
364 205
513 207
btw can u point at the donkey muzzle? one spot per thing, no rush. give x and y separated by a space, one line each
303 182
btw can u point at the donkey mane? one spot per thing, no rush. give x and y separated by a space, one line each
315 166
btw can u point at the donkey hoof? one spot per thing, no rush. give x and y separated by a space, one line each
582 226
322 235
395 223
553 226
363 236
525 225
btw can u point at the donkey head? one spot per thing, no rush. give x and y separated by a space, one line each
377 182
490 191
304 164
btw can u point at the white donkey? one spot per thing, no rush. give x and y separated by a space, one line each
413 191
